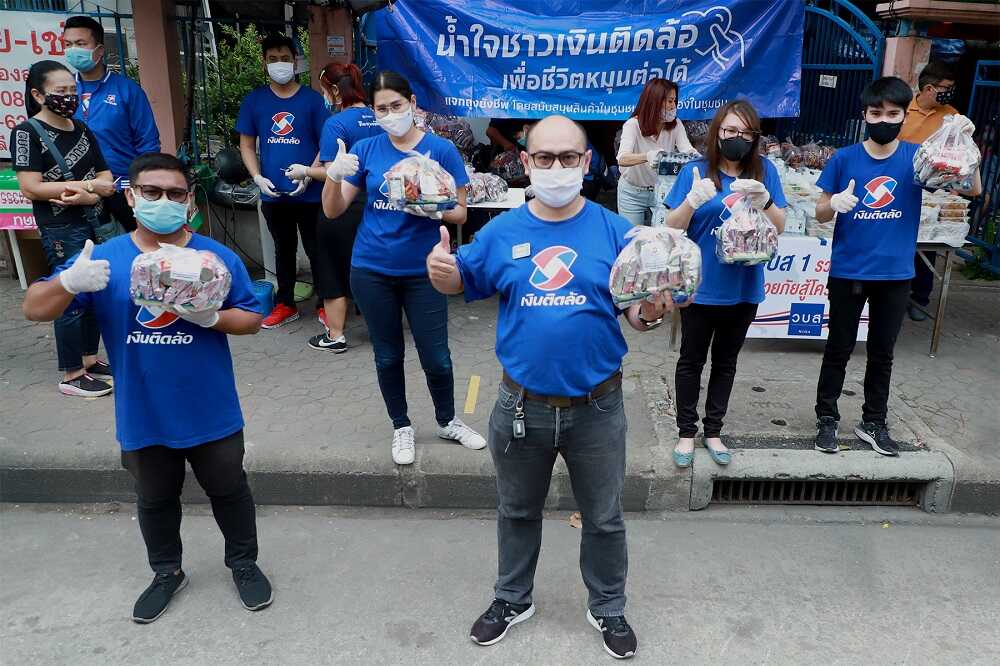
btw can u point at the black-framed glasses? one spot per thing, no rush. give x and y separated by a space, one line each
154 193
733 132
568 159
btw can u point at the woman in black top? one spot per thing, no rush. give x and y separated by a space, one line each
66 207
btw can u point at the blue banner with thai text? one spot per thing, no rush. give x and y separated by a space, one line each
589 59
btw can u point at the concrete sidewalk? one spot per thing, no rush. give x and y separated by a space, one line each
317 432
403 587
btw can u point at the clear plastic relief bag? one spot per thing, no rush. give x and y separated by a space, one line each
948 159
657 259
179 277
420 186
747 237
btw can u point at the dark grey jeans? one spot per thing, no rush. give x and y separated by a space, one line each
591 438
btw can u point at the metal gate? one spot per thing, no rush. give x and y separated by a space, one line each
841 54
984 110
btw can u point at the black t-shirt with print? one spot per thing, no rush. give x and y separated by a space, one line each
83 157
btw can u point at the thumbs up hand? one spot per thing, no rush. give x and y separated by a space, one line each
344 165
844 202
441 263
702 190
86 274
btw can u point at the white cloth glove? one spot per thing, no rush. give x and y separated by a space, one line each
702 190
265 185
204 319
344 165
86 274
965 125
297 171
653 157
844 202
302 185
753 190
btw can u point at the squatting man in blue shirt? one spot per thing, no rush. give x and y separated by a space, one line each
561 347
176 400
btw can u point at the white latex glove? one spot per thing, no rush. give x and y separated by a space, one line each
844 202
265 185
204 319
86 274
344 165
702 190
965 125
302 185
753 190
297 171
653 157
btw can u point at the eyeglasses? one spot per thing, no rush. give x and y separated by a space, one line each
733 132
395 107
568 160
154 193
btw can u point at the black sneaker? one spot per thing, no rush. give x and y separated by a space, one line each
100 370
877 435
85 386
826 435
492 625
253 586
324 342
915 313
153 602
619 639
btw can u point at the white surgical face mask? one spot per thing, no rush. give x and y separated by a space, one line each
669 116
397 124
556 187
281 72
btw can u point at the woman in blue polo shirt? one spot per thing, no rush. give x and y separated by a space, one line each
726 302
388 275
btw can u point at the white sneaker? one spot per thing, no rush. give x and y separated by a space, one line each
459 432
402 446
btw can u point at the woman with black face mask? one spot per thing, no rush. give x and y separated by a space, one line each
66 206
726 302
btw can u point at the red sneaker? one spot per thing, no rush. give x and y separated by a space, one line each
280 315
321 316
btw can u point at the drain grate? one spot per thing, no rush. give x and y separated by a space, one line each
818 491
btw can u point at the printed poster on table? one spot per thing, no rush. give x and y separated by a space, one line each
795 303
589 59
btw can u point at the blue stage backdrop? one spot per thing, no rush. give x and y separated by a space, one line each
589 59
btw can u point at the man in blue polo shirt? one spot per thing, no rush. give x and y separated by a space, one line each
115 109
869 187
284 121
561 347
176 400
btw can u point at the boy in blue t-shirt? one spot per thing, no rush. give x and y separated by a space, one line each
176 397
870 188
284 120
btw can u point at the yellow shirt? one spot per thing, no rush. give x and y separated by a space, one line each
921 123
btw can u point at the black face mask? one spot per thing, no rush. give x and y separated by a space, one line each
62 105
946 97
883 133
735 149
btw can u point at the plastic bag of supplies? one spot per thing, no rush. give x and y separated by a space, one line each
947 159
173 278
657 259
747 237
420 186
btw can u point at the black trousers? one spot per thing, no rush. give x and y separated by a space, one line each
117 206
887 300
218 466
923 280
283 219
334 247
723 328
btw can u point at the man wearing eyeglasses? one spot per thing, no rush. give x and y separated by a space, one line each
176 398
924 116
561 347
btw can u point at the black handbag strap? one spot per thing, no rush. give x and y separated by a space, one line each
50 145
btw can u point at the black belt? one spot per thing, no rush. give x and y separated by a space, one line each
607 386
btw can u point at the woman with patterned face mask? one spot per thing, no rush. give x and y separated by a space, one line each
388 275
65 206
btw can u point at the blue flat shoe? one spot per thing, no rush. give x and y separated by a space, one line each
720 457
683 459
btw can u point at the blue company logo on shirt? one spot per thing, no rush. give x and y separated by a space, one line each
806 319
552 272
281 127
154 322
110 99
878 195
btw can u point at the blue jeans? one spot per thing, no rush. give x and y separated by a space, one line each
635 204
382 300
76 329
591 438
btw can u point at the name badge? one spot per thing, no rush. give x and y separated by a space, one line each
521 251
